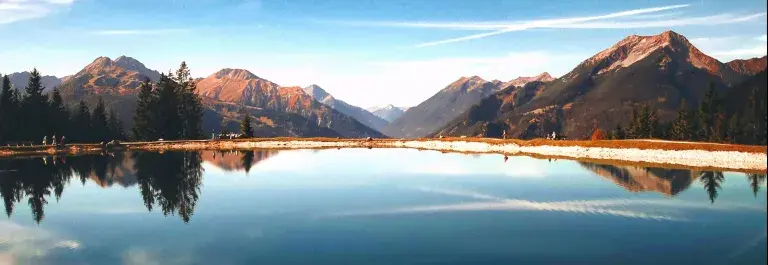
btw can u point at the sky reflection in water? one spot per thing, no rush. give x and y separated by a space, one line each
380 206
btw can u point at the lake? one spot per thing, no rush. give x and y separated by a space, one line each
372 206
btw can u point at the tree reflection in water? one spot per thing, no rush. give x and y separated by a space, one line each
712 181
755 180
170 180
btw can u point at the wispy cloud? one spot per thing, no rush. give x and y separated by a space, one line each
628 19
585 23
509 25
18 10
727 48
763 38
758 50
139 31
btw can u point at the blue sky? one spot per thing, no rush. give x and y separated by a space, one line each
362 51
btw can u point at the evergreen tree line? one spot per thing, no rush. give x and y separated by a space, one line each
169 109
708 123
30 116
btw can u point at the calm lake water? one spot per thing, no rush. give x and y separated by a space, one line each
378 206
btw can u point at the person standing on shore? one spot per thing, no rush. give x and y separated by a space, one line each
45 140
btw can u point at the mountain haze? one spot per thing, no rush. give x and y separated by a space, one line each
19 81
360 114
389 112
441 108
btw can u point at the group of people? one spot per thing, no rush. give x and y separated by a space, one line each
53 140
553 136
216 136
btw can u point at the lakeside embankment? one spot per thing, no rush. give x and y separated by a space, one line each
690 155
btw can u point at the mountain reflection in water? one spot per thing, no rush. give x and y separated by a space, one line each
171 181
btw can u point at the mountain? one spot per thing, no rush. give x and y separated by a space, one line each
389 112
521 81
639 179
233 160
106 76
658 70
115 82
748 66
243 88
441 108
359 114
226 116
19 81
740 94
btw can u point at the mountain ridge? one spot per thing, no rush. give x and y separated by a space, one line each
365 117
658 70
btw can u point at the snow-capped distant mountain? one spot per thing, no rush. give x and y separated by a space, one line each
361 115
388 112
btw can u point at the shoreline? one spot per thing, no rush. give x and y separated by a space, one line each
692 155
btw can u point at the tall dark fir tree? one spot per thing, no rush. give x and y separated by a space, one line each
115 126
35 108
81 120
59 123
143 122
681 128
8 111
190 105
99 123
167 120
246 128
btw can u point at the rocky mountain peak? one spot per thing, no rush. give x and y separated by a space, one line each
635 48
230 73
748 66
317 92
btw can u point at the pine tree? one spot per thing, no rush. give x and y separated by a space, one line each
143 123
680 127
634 128
706 113
115 126
82 123
99 124
245 126
643 124
618 132
190 105
167 121
34 107
58 114
8 114
653 128
718 124
733 134
752 120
